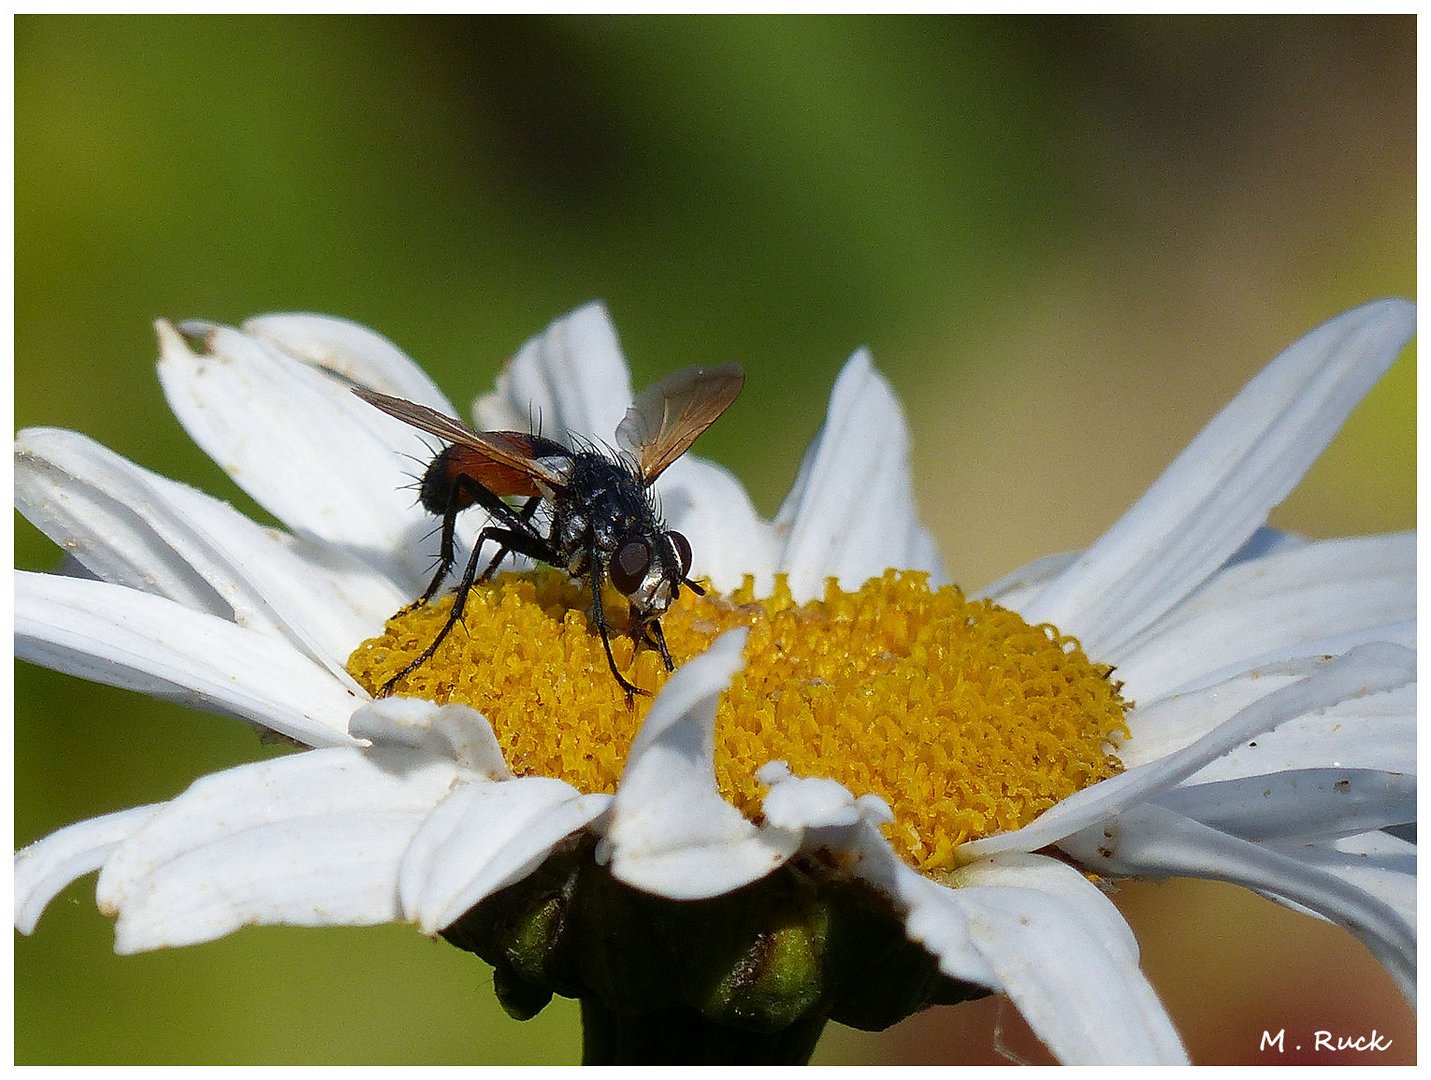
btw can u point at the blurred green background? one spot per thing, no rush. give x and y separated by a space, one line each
1068 242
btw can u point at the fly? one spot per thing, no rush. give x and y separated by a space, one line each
603 523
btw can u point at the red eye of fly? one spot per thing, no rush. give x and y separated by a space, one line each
683 551
628 568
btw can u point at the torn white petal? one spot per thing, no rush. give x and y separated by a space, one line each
1023 871
1089 1007
1056 949
1041 948
454 731
931 918
313 839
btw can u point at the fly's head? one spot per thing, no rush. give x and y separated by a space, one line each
647 567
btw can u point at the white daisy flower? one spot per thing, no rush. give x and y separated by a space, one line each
852 798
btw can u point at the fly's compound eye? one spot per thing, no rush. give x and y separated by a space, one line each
628 568
683 551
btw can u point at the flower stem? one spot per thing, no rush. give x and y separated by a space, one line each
682 1036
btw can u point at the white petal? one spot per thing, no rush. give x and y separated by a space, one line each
324 596
728 538
1100 918
571 379
670 831
1154 842
120 637
1401 634
48 865
356 353
1066 959
320 460
823 809
1376 863
931 917
1220 489
1174 723
453 731
1360 673
1376 732
482 838
1017 588
1088 1007
809 802
1265 541
133 527
1054 945
850 513
102 510
1300 804
314 839
1273 604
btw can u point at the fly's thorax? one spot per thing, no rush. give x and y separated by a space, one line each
602 507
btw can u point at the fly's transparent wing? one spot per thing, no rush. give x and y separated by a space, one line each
671 414
506 462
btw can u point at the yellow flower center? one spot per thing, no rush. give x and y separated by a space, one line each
965 719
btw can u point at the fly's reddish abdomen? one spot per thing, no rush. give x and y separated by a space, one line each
442 487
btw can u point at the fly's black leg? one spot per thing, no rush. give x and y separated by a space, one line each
655 635
463 493
599 614
527 543
447 554
524 515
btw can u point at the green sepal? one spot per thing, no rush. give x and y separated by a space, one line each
773 960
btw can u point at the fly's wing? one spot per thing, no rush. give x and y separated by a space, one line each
671 414
504 462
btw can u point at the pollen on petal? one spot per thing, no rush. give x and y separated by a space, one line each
965 719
